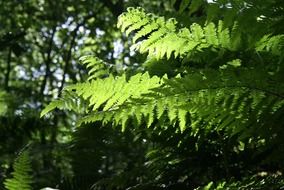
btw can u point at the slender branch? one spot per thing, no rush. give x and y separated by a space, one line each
43 85
69 53
116 9
48 61
67 60
8 70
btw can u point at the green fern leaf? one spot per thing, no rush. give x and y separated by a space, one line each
197 32
273 44
113 92
211 34
69 101
54 104
182 119
22 178
97 68
159 35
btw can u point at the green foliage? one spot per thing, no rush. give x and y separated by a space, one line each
261 181
155 35
116 92
22 178
67 101
273 44
3 104
97 68
239 97
38 51
217 116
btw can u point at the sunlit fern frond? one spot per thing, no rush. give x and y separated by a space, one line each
230 98
160 37
223 100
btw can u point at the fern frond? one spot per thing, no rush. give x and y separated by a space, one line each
159 37
112 92
97 68
236 104
22 178
140 112
68 101
239 99
273 44
106 96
